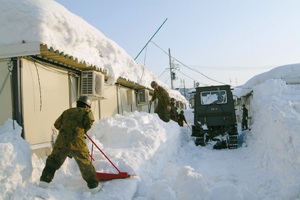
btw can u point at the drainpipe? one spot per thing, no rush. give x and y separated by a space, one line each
16 92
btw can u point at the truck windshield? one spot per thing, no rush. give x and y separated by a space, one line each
213 97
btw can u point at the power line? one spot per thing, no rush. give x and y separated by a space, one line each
200 72
190 77
188 66
162 73
236 68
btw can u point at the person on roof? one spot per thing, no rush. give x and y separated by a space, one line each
163 107
72 124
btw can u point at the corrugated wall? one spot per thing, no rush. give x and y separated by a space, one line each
5 92
48 90
45 97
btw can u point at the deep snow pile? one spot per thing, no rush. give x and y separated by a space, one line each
275 142
166 161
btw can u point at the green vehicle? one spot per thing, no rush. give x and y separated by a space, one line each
214 117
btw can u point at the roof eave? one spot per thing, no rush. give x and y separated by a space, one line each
21 49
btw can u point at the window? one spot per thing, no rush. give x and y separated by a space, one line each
213 97
142 97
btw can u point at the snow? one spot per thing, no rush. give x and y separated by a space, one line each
165 161
162 156
288 73
48 22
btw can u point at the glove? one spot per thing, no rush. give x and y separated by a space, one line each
169 108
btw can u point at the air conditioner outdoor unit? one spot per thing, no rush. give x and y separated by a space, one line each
142 97
92 84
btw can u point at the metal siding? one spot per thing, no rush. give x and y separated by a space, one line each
95 109
46 96
124 99
109 105
5 93
74 89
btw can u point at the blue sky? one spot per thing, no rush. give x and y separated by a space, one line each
213 41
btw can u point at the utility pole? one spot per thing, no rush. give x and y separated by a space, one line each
171 69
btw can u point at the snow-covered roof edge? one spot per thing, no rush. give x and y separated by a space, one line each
47 22
289 73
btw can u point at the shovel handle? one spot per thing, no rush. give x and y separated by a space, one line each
103 153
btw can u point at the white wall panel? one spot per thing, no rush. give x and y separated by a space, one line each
5 92
46 96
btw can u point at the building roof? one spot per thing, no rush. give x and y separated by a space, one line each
47 29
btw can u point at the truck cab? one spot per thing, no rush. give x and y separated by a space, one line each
214 117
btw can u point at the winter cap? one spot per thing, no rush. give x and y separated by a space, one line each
153 84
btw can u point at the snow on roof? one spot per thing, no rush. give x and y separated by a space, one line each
288 73
285 72
48 22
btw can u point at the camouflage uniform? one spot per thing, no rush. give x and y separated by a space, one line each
245 118
72 125
181 119
163 102
173 112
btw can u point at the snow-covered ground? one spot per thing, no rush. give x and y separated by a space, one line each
166 162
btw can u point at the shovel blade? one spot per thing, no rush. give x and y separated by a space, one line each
110 176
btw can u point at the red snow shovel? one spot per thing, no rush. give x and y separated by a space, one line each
108 176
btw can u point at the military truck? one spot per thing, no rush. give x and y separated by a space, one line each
214 117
